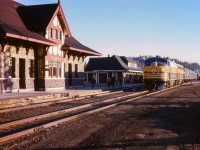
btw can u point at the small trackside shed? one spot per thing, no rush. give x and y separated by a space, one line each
119 67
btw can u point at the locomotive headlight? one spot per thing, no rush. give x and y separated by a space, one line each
164 69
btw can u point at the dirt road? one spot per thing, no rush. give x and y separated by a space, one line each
169 120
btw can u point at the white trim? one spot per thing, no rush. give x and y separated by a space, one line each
55 78
115 71
61 78
54 89
82 51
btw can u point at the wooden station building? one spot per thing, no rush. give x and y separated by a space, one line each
37 49
120 67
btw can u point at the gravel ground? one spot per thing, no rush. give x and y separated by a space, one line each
169 120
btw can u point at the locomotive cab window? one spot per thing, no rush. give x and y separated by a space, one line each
156 62
162 62
149 61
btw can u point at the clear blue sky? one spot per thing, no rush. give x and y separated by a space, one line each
135 27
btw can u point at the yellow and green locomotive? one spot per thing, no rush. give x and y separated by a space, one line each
160 73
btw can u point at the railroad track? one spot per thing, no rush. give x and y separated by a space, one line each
19 128
47 99
22 127
25 105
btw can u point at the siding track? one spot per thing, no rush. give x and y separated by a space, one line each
19 128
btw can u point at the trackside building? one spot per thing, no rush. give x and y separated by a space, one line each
37 49
120 67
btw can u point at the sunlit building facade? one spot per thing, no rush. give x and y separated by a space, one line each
37 49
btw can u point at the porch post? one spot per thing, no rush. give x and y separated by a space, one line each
39 53
87 78
97 77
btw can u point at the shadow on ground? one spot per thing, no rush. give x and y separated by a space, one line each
179 118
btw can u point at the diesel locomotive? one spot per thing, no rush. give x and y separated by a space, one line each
162 73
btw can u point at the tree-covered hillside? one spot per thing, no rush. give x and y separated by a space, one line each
190 65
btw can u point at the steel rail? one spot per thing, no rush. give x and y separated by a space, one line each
30 119
57 101
76 116
41 127
30 100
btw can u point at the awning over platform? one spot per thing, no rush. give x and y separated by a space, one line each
12 26
71 44
22 34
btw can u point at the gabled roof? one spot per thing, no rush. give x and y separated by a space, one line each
12 26
23 20
37 17
109 63
7 30
72 44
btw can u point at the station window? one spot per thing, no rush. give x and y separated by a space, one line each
59 68
60 35
54 34
12 67
31 68
50 32
76 70
50 68
115 75
55 69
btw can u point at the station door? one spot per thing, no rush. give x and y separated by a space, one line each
102 77
22 77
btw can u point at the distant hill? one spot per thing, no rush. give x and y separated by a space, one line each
192 66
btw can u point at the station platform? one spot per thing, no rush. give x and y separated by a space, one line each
72 91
